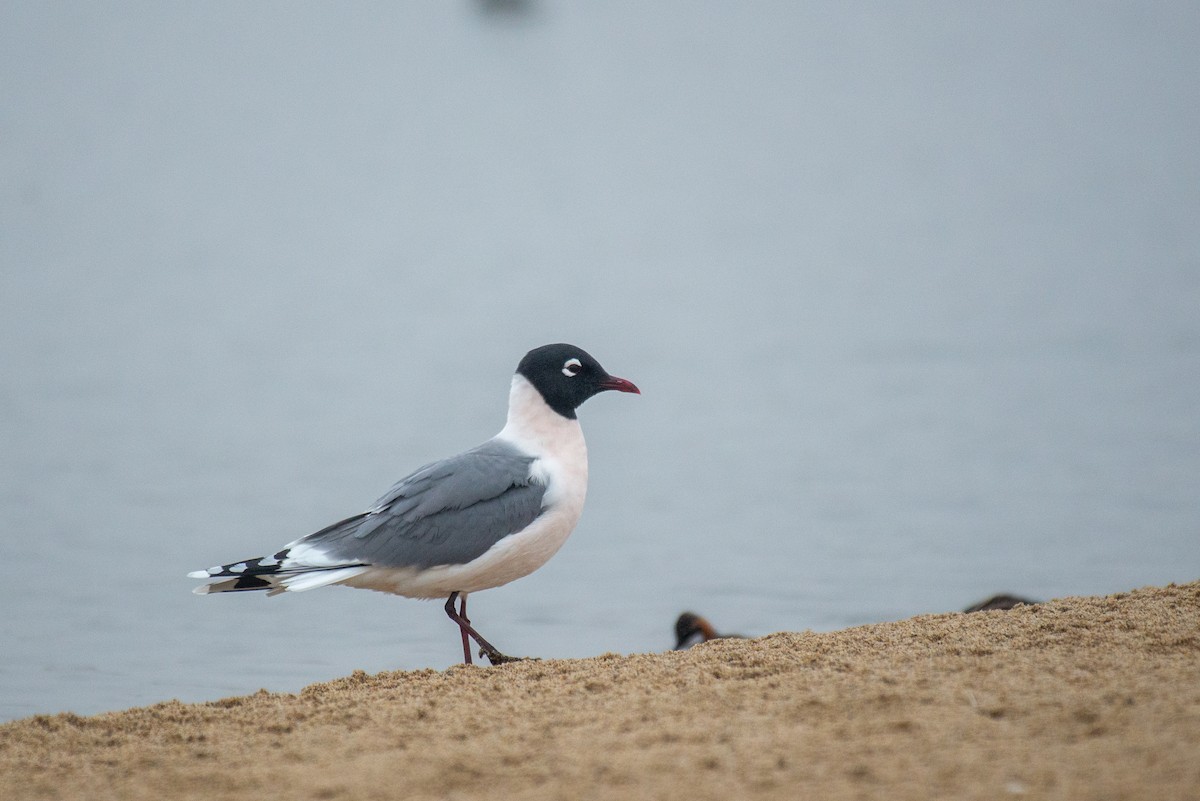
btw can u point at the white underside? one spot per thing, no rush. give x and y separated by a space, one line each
561 464
508 560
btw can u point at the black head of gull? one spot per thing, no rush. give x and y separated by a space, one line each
566 376
470 522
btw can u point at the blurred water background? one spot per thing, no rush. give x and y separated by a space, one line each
912 292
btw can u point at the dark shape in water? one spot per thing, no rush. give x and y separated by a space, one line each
508 8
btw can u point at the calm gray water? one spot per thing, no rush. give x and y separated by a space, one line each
913 297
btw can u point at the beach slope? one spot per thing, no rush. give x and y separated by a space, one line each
1077 698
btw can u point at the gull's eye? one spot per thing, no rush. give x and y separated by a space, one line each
571 368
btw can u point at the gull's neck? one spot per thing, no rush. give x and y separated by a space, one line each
533 425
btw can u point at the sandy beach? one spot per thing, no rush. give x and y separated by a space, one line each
1077 698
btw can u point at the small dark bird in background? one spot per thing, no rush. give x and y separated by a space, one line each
691 629
1000 602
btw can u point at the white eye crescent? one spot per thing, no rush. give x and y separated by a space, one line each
571 367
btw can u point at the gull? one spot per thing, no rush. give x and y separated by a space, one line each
467 523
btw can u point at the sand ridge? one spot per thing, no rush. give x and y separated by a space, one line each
1076 698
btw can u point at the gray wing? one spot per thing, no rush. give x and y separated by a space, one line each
446 513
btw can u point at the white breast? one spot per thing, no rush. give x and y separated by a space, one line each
561 463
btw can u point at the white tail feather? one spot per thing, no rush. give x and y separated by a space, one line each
282 582
299 582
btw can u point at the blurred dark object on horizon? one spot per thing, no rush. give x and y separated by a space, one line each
507 8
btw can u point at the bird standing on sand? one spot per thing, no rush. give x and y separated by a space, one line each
471 522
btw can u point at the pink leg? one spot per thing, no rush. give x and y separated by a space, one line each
464 626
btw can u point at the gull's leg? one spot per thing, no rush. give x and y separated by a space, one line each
464 625
462 612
